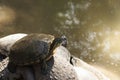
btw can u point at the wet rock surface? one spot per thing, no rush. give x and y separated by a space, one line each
62 66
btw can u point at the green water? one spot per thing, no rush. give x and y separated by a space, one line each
91 26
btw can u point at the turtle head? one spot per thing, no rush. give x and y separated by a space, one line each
64 41
58 41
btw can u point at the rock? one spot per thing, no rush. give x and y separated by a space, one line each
62 66
59 67
7 41
55 72
86 71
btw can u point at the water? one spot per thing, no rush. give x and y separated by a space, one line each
91 26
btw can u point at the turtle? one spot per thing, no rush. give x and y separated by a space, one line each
34 48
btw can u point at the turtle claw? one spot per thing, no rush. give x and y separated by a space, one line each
44 68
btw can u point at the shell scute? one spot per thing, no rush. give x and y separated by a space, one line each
31 49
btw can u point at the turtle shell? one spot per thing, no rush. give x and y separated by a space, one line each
30 49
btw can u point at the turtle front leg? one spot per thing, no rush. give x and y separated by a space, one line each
26 72
11 67
44 67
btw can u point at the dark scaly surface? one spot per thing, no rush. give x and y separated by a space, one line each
29 49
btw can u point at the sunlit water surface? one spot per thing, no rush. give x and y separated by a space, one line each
91 26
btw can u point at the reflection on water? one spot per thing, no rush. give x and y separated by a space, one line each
92 26
7 16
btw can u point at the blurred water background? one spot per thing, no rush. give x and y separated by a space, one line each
91 26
